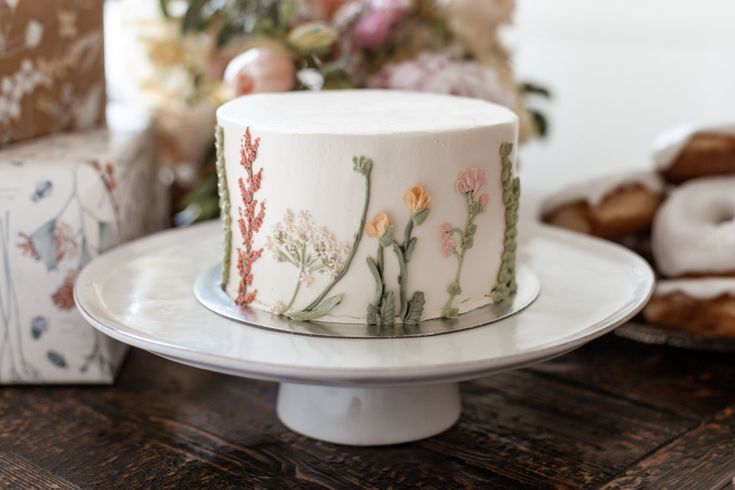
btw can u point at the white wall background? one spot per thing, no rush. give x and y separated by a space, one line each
620 71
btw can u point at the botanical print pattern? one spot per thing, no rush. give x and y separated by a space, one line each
56 243
381 311
505 285
322 304
12 352
53 77
456 241
312 249
251 214
64 200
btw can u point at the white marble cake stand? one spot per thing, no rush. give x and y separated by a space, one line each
359 391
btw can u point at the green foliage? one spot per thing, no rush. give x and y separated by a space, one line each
420 217
362 164
377 275
387 309
318 311
505 283
415 309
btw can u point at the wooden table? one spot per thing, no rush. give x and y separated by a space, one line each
614 414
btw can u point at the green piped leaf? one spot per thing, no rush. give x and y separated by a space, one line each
387 237
387 309
409 249
319 310
415 308
420 217
378 278
372 315
362 164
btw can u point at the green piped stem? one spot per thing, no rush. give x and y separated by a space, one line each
302 267
402 278
380 288
224 203
358 236
400 250
505 285
463 236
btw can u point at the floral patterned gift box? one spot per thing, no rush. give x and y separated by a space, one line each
63 200
51 67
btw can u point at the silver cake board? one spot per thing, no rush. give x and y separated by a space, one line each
209 293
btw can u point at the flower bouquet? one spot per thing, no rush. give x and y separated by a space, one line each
204 52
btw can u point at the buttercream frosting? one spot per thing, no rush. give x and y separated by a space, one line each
594 191
701 288
301 167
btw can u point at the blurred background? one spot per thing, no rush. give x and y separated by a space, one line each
618 74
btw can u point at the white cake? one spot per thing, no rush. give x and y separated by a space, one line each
328 197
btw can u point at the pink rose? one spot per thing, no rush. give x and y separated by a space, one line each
471 180
262 69
373 28
440 73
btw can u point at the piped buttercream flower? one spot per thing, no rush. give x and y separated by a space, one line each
471 180
378 227
417 199
446 240
484 199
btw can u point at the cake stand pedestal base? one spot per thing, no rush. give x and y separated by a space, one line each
369 416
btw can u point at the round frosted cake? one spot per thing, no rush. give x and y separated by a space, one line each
378 207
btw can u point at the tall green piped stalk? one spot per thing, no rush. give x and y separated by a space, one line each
505 285
321 306
403 252
224 203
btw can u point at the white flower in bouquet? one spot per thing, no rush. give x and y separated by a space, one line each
440 73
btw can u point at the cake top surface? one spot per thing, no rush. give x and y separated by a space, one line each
362 112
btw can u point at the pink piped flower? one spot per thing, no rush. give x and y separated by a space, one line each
484 199
448 245
471 180
448 248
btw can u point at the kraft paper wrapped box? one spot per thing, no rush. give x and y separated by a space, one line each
51 67
63 200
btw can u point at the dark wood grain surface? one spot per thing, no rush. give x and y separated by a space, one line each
614 414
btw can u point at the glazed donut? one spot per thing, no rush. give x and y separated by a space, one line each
694 231
611 207
704 306
689 152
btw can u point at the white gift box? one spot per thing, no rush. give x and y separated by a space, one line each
63 200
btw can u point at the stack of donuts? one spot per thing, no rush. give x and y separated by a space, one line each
680 216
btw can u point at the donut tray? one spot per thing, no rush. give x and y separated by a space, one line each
651 334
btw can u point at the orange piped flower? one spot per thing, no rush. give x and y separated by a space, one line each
417 199
378 226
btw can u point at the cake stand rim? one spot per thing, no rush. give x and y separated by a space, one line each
389 375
